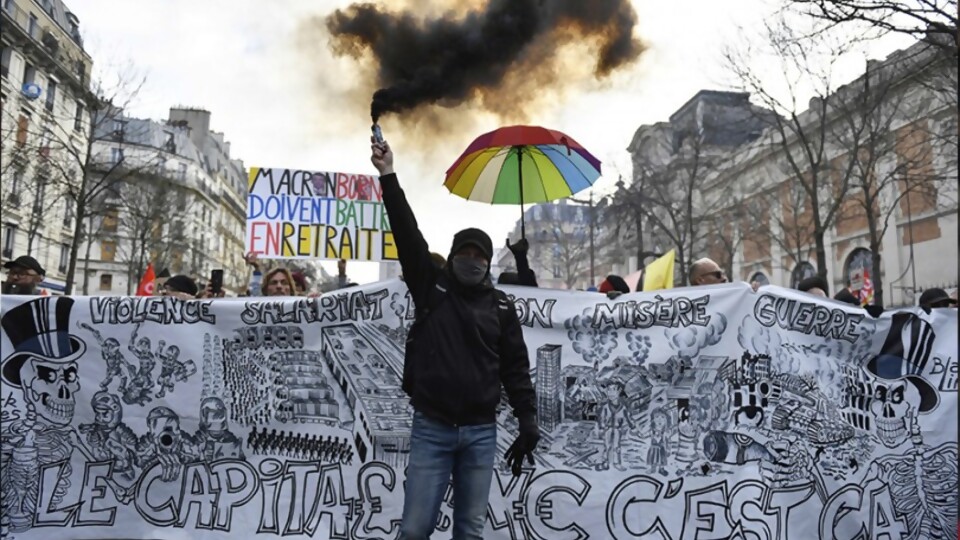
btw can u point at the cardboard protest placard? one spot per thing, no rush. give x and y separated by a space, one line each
296 214
702 412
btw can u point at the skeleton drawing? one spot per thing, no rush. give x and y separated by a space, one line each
117 365
139 390
108 438
923 485
172 369
44 366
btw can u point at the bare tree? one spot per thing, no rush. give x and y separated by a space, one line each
147 232
670 197
801 140
893 165
85 175
917 18
560 243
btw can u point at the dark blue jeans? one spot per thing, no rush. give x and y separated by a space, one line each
438 451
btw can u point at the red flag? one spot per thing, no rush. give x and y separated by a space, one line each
866 292
146 282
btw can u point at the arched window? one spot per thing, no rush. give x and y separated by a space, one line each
801 272
760 278
857 266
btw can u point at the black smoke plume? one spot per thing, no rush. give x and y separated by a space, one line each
454 59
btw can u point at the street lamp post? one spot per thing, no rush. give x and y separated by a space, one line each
589 202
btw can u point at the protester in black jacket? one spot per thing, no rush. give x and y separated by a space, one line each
524 275
465 343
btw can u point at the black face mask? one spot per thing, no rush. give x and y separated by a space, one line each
469 271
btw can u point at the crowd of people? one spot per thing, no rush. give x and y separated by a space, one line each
24 276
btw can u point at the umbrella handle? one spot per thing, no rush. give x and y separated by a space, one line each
523 226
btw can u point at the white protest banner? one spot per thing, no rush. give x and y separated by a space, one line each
294 214
707 412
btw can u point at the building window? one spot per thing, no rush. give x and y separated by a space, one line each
9 239
169 145
78 118
23 127
110 220
5 62
108 250
32 26
68 212
116 155
45 141
15 183
106 282
801 272
51 95
29 73
182 172
64 258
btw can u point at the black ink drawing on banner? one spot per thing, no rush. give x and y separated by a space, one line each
109 438
367 367
139 390
43 365
117 365
172 369
299 446
629 413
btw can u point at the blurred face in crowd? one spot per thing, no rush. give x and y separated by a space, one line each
26 278
277 284
707 272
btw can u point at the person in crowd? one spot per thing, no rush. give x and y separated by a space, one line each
465 343
706 272
256 278
524 275
299 283
278 282
613 286
847 297
24 275
815 285
936 297
180 286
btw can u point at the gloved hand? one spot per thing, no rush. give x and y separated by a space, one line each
525 444
520 248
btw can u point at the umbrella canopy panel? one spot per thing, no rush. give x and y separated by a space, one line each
554 166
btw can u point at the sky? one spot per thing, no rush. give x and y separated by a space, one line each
279 94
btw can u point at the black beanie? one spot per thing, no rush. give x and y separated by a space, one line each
474 237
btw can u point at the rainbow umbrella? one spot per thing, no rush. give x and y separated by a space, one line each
520 165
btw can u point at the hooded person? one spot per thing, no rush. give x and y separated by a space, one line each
466 341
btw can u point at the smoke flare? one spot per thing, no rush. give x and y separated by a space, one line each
458 58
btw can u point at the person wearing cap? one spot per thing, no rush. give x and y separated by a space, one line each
465 342
25 273
936 297
180 286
